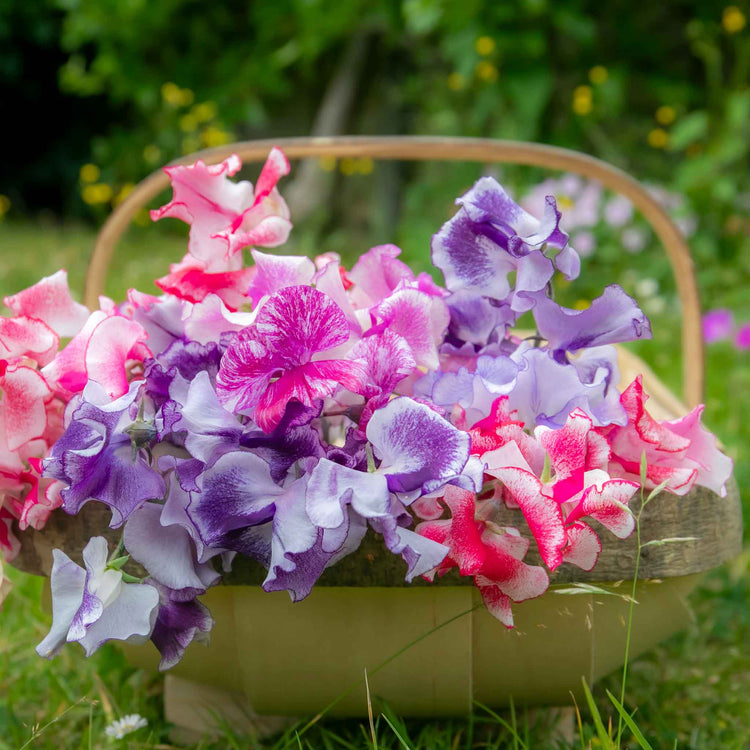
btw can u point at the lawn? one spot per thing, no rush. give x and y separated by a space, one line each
690 692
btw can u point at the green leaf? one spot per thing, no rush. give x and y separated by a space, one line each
127 578
628 719
604 738
689 129
118 562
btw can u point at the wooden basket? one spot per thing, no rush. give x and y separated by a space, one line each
289 659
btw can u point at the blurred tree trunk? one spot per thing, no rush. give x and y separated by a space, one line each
312 186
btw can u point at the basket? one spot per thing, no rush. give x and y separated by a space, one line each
285 659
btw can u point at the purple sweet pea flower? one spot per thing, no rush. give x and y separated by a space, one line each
300 551
96 458
492 236
611 318
273 361
92 606
178 624
418 449
167 552
420 554
237 491
211 430
587 385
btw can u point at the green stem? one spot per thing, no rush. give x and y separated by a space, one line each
630 612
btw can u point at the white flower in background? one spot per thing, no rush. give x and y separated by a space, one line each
646 287
128 724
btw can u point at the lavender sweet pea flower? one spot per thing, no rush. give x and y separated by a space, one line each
418 449
92 606
491 236
591 389
167 552
96 457
178 624
612 318
211 430
420 554
477 320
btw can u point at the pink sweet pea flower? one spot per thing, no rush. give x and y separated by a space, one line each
225 216
192 280
680 452
492 555
278 358
50 301
101 351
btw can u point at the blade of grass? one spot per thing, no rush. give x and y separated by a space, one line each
604 738
369 714
578 719
516 738
628 719
396 732
499 719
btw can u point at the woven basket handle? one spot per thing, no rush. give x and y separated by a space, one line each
444 149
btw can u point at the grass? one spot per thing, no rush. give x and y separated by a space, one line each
690 691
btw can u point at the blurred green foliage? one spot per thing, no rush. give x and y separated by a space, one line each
660 90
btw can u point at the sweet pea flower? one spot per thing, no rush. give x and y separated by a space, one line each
225 216
92 605
681 451
491 236
279 357
493 556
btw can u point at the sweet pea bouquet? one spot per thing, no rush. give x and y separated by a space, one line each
283 410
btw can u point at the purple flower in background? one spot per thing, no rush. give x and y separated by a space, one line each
274 360
742 339
92 606
718 325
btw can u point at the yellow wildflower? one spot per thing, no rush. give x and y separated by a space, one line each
4 205
99 192
204 111
456 82
347 166
582 100
658 138
484 46
89 173
487 71
665 115
598 74
188 124
213 136
365 165
733 19
171 93
327 163
123 193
